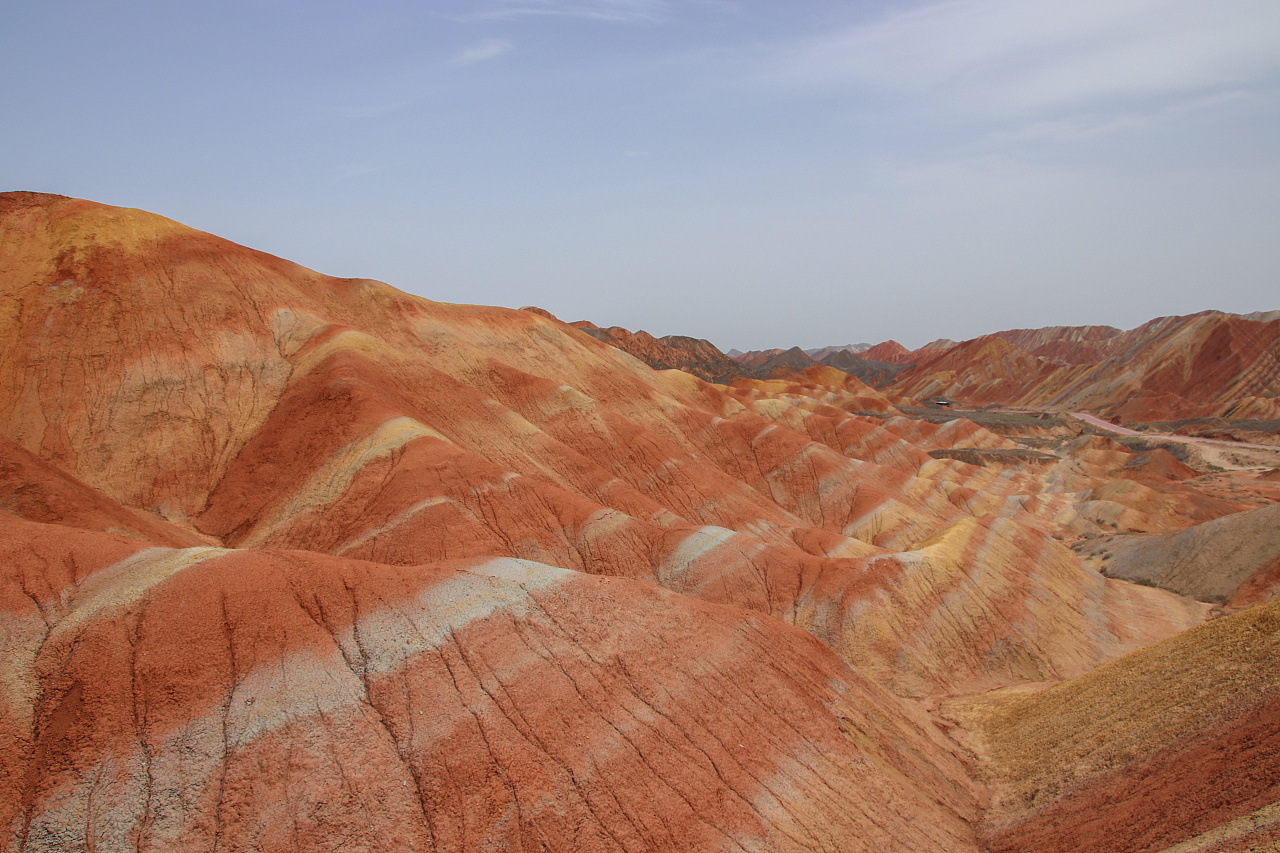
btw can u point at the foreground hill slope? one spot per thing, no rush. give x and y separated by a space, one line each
213 699
1177 741
297 562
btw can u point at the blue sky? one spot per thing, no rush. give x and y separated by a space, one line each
759 174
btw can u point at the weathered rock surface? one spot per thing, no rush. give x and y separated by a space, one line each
1173 367
1177 741
296 562
1232 560
33 489
200 699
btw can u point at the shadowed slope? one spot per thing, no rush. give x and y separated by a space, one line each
1234 559
33 489
670 352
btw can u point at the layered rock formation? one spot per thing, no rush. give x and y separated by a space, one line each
296 562
890 351
1232 560
670 352
1172 367
207 698
1203 365
875 365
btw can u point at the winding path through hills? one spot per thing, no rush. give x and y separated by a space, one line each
1185 439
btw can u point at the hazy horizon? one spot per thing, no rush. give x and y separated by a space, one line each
759 177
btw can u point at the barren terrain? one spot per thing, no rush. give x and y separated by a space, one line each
292 562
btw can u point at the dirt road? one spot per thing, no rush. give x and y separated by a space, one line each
1186 439
1224 455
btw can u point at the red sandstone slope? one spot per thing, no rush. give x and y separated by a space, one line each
755 358
1203 364
202 699
430 413
890 351
670 352
356 443
1171 367
33 489
983 370
1072 344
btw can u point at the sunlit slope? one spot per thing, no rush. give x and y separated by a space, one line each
194 699
296 562
265 405
1202 364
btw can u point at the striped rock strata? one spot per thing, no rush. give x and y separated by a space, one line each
201 699
1172 367
296 562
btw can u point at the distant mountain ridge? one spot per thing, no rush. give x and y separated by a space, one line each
1206 364
820 353
692 355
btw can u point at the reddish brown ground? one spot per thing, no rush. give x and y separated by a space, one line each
1174 367
294 562
1209 778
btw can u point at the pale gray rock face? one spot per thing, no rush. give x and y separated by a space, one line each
1210 561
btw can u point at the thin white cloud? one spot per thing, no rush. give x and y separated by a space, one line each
1026 55
1086 126
487 49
